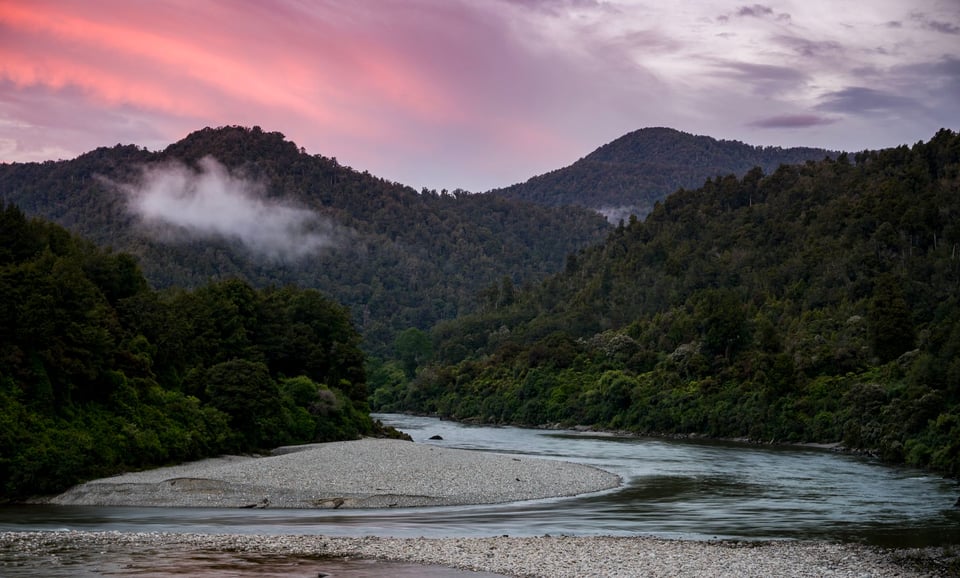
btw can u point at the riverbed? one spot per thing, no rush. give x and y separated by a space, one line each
674 489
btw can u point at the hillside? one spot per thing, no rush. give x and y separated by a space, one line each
819 303
100 373
629 175
264 211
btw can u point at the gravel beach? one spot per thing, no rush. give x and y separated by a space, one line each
554 557
368 473
386 473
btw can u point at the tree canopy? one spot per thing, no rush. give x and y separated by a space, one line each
398 258
818 303
632 173
99 373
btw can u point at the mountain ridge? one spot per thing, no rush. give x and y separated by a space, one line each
817 303
405 259
399 258
630 174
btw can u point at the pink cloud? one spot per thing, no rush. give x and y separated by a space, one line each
349 79
441 93
180 66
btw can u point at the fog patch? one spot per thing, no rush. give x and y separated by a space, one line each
176 202
622 213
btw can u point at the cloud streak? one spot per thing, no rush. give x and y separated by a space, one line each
176 202
792 121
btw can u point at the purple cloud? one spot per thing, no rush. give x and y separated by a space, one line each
792 121
764 79
756 11
943 27
940 26
476 95
810 48
862 100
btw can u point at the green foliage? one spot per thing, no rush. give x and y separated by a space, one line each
413 348
723 323
815 304
99 373
245 392
406 258
631 174
321 413
889 319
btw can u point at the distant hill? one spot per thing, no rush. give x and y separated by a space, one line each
629 175
397 257
817 303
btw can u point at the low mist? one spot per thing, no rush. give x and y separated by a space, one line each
623 213
176 202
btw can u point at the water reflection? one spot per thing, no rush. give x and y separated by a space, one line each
704 489
70 563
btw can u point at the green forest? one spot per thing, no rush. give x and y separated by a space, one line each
405 258
817 303
811 302
630 174
99 373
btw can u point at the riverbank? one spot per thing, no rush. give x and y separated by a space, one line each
367 473
555 557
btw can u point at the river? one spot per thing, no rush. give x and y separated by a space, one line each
691 489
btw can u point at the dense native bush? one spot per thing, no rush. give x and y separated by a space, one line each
99 373
815 304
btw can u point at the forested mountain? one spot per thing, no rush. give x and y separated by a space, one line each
630 174
99 373
397 258
818 303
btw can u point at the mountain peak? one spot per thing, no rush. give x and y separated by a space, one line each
630 174
234 145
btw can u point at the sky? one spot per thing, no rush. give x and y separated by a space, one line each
474 94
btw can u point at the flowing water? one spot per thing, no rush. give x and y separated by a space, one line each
671 488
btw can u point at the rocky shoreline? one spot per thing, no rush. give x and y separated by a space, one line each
384 473
554 557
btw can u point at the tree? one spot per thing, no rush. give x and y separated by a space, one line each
18 240
723 323
245 391
302 332
413 347
889 321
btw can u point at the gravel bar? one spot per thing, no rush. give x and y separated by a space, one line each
555 557
367 473
373 473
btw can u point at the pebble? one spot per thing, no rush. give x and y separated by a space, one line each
368 473
555 557
383 473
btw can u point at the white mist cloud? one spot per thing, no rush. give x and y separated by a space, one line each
175 200
622 213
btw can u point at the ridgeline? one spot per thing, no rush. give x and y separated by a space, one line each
629 175
397 258
818 303
812 302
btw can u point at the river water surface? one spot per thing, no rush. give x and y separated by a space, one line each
678 489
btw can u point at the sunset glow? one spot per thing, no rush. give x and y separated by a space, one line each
451 93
